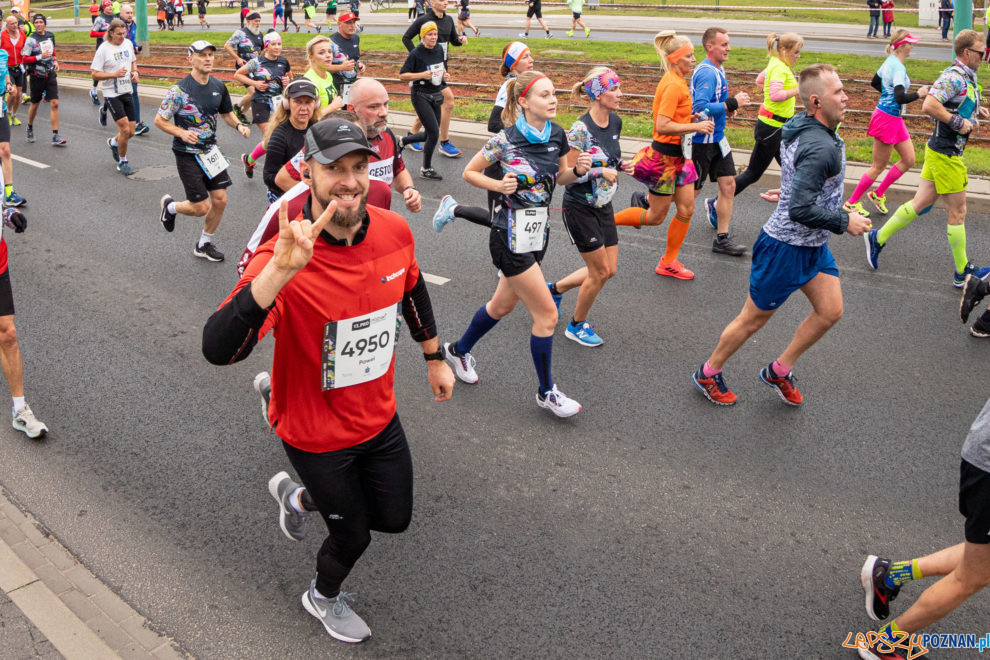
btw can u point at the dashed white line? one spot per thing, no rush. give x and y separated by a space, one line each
28 161
435 279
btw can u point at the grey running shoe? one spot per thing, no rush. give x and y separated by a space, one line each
336 615
59 141
27 423
124 168
725 245
113 150
263 386
29 134
293 523
463 365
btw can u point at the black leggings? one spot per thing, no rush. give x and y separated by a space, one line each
766 149
428 108
412 12
286 19
365 488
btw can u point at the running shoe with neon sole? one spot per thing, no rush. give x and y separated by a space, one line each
248 167
94 96
292 523
873 578
583 334
714 388
263 386
336 615
463 365
879 201
712 213
557 297
13 199
445 213
570 33
113 150
14 121
558 403
974 290
960 278
449 150
241 117
873 249
415 146
676 270
168 219
25 422
587 32
784 386
858 207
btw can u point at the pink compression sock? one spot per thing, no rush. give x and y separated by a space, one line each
892 175
780 369
258 152
708 370
864 184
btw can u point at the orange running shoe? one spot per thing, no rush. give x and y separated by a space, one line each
714 388
675 269
784 386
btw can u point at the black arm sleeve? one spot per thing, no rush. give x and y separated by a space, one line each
453 38
876 83
412 31
232 331
418 312
275 158
495 119
903 98
813 165
731 104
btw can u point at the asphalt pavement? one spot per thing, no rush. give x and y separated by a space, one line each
653 524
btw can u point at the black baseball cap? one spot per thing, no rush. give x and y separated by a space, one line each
329 140
301 87
253 15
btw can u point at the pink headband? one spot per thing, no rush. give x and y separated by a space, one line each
908 39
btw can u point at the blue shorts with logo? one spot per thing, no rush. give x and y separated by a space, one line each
780 269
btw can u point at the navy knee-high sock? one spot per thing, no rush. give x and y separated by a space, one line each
480 324
541 348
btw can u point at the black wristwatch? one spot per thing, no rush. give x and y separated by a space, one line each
434 356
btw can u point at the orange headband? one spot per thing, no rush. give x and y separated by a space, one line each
680 52
532 82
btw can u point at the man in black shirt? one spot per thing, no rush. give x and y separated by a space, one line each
447 34
349 43
193 105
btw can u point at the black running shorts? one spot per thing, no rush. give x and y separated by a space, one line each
535 9
6 294
121 106
17 76
4 129
510 263
974 502
589 227
710 163
194 180
261 110
46 87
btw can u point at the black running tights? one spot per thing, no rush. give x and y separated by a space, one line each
766 149
428 109
365 488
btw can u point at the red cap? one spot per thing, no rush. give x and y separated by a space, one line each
344 18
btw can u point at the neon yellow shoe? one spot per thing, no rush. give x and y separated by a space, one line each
570 33
587 32
858 207
878 201
14 121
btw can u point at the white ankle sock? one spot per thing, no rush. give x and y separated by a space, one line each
205 238
171 208
18 403
295 500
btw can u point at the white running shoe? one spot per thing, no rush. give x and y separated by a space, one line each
463 366
27 423
556 402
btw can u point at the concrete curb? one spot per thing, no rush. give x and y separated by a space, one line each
80 616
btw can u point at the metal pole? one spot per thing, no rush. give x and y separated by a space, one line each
963 16
75 11
141 17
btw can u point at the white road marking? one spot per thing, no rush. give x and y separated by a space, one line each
435 279
28 161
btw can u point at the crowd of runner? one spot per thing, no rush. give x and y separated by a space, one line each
330 267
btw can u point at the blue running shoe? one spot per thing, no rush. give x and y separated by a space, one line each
449 150
113 150
93 95
873 249
557 297
960 278
415 146
445 213
638 198
141 128
583 334
13 199
712 213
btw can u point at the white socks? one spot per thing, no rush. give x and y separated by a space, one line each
295 500
18 403
205 238
171 208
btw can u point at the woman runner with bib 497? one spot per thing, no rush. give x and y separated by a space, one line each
532 150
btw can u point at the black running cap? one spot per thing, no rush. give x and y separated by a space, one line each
329 140
253 15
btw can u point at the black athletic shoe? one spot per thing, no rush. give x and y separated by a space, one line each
208 252
639 199
979 329
724 245
168 219
103 115
248 167
873 578
429 173
974 289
